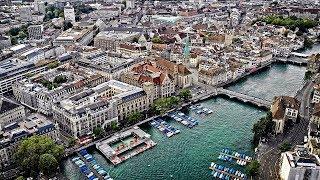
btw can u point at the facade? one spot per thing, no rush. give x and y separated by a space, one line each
284 109
109 41
111 65
25 13
74 36
5 42
38 94
180 73
10 112
12 134
213 76
146 72
69 13
13 70
316 94
35 32
299 165
99 106
313 63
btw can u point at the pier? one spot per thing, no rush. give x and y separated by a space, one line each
234 157
90 167
139 143
226 173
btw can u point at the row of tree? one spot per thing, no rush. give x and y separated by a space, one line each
291 22
262 128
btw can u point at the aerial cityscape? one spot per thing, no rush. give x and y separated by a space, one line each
150 90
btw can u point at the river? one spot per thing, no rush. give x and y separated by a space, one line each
188 154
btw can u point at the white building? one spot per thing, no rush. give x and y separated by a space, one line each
10 112
316 94
299 165
130 4
69 14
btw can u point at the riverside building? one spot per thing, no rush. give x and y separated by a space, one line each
99 106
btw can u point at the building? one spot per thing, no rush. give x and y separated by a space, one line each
99 106
69 14
313 63
5 42
10 112
130 4
146 72
316 94
213 75
41 91
181 74
299 165
74 36
284 110
13 70
35 32
109 41
25 13
12 134
111 65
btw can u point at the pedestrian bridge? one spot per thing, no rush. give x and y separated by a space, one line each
244 98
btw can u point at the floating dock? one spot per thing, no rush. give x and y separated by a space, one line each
233 156
97 171
183 119
222 172
164 127
117 150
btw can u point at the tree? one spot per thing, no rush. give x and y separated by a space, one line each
53 64
72 141
31 149
114 125
60 79
135 117
262 128
185 94
307 43
20 178
157 40
14 40
98 132
48 164
253 168
286 146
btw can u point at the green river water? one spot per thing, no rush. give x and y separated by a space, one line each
188 155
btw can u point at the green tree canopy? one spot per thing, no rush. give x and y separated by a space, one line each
31 149
162 105
135 117
253 168
48 164
98 132
185 94
263 128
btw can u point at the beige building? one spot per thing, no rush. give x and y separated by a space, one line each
10 112
284 109
110 41
99 106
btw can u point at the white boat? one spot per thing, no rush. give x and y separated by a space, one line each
169 134
221 176
209 112
177 131
184 122
199 112
215 174
181 114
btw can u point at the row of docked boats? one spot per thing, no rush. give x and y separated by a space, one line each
240 158
92 162
199 109
164 127
226 173
183 119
